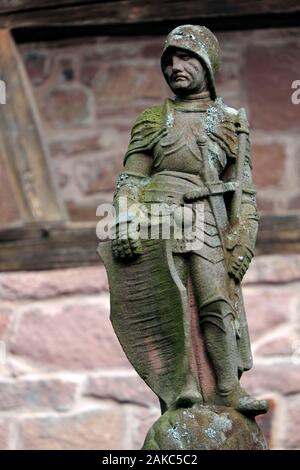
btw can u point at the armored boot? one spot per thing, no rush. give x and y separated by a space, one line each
222 351
241 401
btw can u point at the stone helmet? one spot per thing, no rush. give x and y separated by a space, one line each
202 43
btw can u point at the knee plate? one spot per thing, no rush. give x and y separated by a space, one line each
220 313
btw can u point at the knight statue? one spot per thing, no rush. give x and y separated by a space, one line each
176 303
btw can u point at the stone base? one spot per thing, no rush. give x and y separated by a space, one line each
204 428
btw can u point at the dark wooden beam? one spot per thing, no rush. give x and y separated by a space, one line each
8 6
75 244
62 14
38 248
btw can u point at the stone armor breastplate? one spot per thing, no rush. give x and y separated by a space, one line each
178 150
176 156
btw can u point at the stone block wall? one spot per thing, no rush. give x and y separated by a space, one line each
89 92
66 383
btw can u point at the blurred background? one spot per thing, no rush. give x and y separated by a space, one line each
76 77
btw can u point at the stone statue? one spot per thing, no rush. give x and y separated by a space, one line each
176 302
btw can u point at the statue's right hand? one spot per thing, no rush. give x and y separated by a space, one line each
127 242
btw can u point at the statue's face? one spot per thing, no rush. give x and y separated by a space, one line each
184 72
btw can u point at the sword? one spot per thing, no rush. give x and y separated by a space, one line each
242 130
209 181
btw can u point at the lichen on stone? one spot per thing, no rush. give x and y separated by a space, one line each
214 115
170 119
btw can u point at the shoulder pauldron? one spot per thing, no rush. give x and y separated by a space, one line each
222 126
147 130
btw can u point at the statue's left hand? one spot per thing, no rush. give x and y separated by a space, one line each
239 260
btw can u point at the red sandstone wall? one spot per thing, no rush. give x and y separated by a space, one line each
89 92
66 383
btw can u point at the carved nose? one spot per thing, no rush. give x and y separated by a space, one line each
177 63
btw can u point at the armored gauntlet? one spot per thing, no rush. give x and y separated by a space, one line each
127 242
242 237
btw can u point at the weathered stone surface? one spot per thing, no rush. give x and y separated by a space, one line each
130 81
87 73
109 139
130 389
228 81
47 284
269 73
38 66
152 49
273 269
4 434
93 175
294 202
264 158
265 203
204 428
96 59
282 345
5 314
37 394
81 213
93 429
141 420
274 378
9 208
68 148
292 436
266 307
112 129
267 423
16 368
68 107
74 337
67 68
